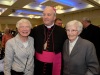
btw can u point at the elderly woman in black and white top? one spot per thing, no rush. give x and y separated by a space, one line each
19 51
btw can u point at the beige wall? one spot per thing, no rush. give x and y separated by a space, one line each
94 16
3 26
11 22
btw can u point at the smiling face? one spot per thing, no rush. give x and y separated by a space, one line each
24 29
49 16
73 29
72 33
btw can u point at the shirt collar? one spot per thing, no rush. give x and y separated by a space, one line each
73 43
50 26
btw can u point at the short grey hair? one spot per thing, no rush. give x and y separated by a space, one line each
86 19
48 7
23 21
75 23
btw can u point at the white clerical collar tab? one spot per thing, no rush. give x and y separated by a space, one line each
50 26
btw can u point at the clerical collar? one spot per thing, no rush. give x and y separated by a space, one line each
50 26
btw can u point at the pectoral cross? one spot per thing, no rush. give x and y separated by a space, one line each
45 45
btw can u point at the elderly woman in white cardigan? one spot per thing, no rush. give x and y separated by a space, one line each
19 51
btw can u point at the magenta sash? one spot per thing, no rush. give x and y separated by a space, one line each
51 57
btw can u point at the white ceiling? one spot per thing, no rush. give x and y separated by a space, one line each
25 8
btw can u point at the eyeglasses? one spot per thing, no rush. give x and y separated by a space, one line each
24 26
67 30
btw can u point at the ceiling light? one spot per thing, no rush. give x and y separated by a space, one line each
0 13
98 1
58 7
2 10
7 2
59 11
37 16
31 16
